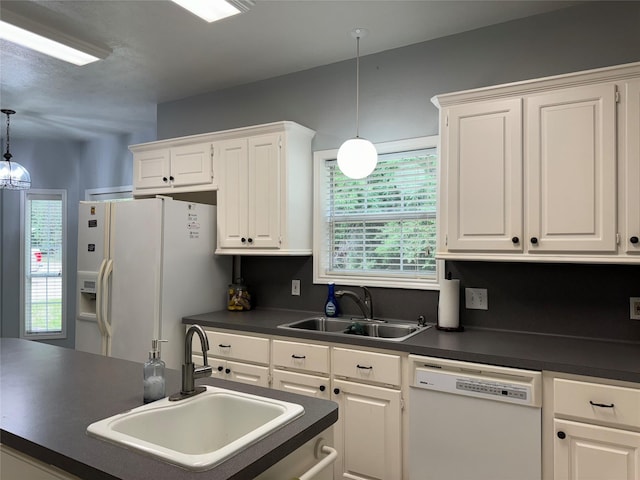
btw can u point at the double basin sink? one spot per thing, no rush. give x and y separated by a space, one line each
389 331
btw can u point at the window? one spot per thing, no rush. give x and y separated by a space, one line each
43 309
380 230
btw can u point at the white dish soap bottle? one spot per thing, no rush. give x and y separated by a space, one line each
154 381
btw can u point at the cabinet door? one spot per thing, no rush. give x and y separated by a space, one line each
191 165
571 174
302 384
265 191
631 148
484 176
151 169
368 432
233 194
590 452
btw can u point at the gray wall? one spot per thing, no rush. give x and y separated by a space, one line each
396 87
57 164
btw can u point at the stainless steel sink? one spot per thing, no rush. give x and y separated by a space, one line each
390 331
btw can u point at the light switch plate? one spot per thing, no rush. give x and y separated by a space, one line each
476 299
634 308
295 287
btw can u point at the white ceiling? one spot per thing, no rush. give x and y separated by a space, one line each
161 52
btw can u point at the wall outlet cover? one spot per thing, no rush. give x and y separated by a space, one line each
634 308
476 299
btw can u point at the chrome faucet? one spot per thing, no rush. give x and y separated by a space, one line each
365 306
189 371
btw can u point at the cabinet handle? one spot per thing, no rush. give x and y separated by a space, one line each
243 240
222 345
220 368
250 240
336 391
634 240
171 178
561 435
515 240
365 367
322 388
164 179
602 405
227 370
534 240
298 357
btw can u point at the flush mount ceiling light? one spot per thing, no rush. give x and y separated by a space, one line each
213 10
13 176
18 29
357 157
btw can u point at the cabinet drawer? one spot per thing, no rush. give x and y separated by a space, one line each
367 366
301 356
302 384
597 402
238 347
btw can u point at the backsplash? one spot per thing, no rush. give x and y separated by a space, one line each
564 299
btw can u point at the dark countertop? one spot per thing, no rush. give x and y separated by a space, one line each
49 396
598 358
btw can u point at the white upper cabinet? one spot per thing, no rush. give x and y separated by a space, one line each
185 168
262 175
543 170
483 144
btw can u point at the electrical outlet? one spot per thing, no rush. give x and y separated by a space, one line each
634 308
295 287
476 299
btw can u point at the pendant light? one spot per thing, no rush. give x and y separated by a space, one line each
357 157
13 176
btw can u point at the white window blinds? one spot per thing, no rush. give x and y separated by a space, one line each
44 266
384 225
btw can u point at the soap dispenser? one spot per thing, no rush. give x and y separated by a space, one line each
154 381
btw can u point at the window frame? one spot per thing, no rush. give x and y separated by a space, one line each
24 199
320 275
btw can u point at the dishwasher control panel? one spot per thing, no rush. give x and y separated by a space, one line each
501 384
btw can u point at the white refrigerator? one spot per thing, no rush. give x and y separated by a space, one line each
142 266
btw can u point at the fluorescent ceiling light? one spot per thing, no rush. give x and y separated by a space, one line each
17 29
209 10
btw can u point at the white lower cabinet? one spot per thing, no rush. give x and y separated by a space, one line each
591 428
591 452
368 432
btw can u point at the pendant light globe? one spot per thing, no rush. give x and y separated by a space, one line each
357 158
13 176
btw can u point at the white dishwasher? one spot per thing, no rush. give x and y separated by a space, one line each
473 421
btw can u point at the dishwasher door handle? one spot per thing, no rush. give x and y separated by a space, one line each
320 448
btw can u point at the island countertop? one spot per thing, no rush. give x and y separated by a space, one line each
580 356
49 395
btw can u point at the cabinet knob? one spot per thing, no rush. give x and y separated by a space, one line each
534 240
227 370
220 368
336 391
171 178
164 179
515 240
561 435
634 240
322 388
243 240
250 240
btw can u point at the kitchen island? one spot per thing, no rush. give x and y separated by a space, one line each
49 395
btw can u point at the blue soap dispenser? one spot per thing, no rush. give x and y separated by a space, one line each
154 380
331 307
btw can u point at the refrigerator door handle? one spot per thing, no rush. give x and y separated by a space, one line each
106 325
99 298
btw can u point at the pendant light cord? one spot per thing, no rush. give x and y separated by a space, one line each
7 155
358 87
